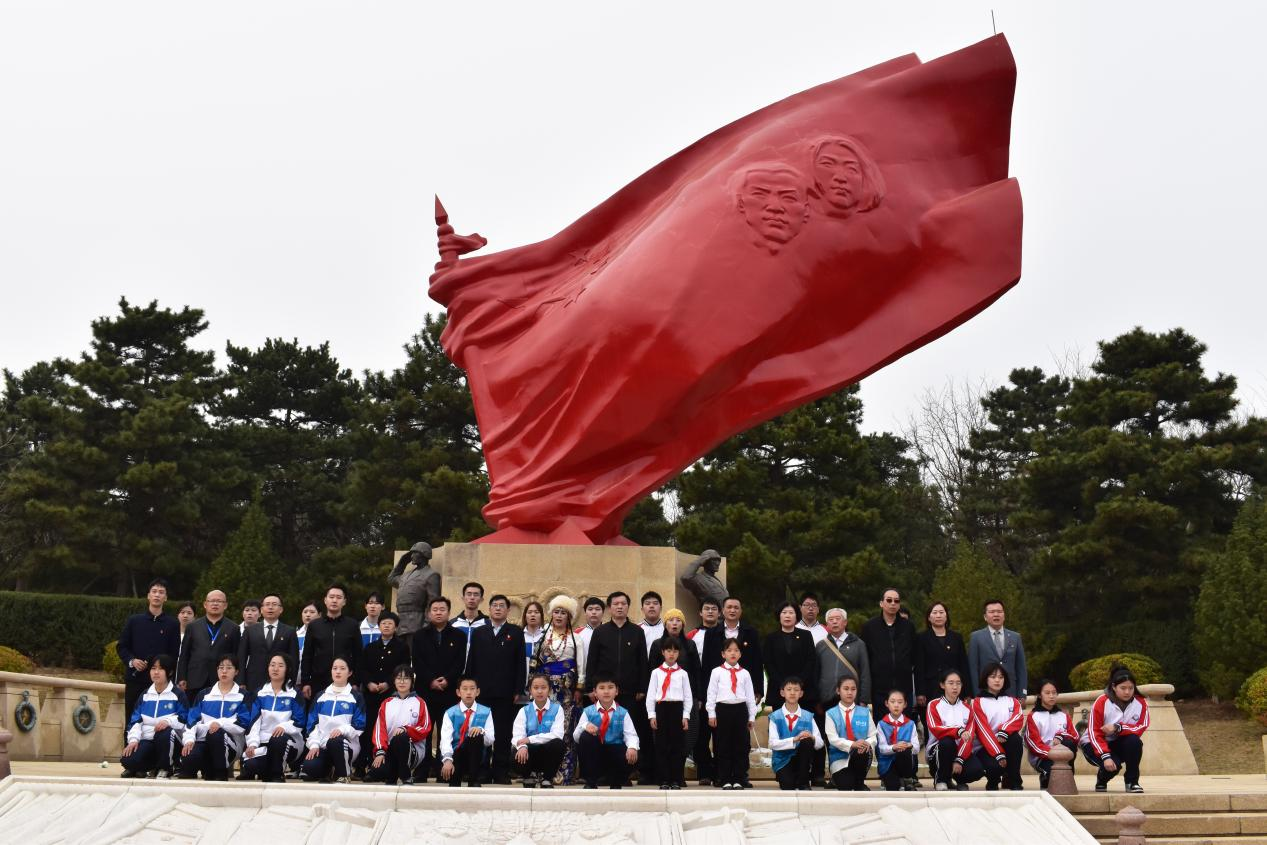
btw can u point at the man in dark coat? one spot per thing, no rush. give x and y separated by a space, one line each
499 666
618 649
890 641
330 636
439 653
145 636
207 639
261 641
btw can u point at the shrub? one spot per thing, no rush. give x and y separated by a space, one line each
1094 673
65 630
12 660
1252 699
110 662
1233 591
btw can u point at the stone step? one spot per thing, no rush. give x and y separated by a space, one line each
1152 803
1198 824
1193 840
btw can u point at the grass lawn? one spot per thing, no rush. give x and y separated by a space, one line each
1223 740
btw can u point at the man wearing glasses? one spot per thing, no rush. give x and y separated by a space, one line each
207 639
809 618
890 642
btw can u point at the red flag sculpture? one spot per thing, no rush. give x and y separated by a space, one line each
776 260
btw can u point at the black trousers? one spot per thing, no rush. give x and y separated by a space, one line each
853 777
437 703
152 754
795 773
399 761
336 755
732 744
271 767
373 700
993 769
213 757
670 742
469 760
504 712
1126 751
705 765
601 760
1014 748
901 768
544 759
819 768
1043 767
637 708
133 689
942 762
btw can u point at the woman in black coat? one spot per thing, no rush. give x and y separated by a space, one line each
937 649
789 652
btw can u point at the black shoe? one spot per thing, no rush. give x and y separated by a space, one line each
746 784
591 785
1017 787
705 781
128 773
665 786
1134 787
475 783
675 786
1101 787
546 783
962 787
530 782
616 786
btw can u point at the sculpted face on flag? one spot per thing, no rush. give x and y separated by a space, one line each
780 258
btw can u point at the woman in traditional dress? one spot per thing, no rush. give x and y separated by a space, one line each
560 656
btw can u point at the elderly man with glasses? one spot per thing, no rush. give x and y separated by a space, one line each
890 642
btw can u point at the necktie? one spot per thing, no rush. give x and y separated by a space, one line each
540 714
466 723
602 728
734 678
849 724
668 677
268 637
998 642
892 733
791 722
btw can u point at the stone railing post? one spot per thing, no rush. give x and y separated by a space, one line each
1130 826
1061 781
5 738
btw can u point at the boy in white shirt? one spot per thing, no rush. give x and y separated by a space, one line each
732 708
669 705
466 734
606 739
851 739
793 738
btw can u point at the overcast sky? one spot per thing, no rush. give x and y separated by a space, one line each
274 162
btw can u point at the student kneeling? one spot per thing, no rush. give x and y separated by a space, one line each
215 735
850 739
793 738
1113 738
335 723
537 736
400 730
898 752
466 734
606 740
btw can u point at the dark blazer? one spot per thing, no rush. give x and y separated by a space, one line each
438 657
981 652
621 652
934 655
891 653
327 639
145 637
254 654
790 655
688 660
750 656
497 661
199 655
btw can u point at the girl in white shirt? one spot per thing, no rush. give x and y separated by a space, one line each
1047 726
669 704
1113 740
335 722
732 708
950 736
538 735
275 738
998 719
851 739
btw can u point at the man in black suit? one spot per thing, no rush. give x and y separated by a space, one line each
208 638
261 641
330 636
439 653
733 627
499 665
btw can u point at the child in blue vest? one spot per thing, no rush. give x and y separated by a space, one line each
899 745
466 734
606 740
537 736
851 739
793 738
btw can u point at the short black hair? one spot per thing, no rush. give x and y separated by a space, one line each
595 601
616 595
895 690
535 676
404 670
464 678
444 599
165 662
735 599
476 584
229 657
603 679
988 670
336 586
708 601
375 597
498 597
929 612
388 616
729 641
986 605
650 594
157 582
255 603
268 596
187 604
792 679
807 596
670 642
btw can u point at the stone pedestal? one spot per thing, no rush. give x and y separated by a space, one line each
541 572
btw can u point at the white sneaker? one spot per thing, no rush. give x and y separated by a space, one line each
163 774
727 786
941 787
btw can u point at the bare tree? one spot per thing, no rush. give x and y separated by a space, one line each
939 429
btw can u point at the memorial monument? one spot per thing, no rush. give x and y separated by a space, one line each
778 259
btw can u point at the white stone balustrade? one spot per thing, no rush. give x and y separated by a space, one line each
55 737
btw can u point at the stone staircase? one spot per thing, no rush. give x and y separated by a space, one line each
1233 818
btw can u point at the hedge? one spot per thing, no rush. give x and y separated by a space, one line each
1093 674
65 630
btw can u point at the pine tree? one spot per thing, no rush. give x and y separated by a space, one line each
248 567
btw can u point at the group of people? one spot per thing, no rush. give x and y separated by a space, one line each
564 697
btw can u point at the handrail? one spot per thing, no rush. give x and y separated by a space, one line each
60 683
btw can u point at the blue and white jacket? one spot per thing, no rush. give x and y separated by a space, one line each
341 709
153 707
226 709
270 709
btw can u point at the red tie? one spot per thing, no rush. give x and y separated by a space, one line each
668 676
849 724
540 714
466 723
892 733
734 678
791 722
602 728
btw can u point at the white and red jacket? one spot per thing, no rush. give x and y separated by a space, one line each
1045 728
993 715
1131 719
409 713
950 721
